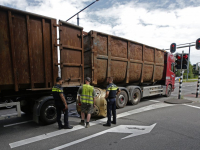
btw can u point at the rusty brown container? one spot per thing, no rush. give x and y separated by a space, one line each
127 61
28 51
71 53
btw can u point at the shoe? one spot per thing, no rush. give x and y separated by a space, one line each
60 127
107 125
113 122
68 127
82 123
87 125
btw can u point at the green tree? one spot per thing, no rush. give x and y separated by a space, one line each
178 73
190 74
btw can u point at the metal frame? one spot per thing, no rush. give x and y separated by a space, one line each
3 117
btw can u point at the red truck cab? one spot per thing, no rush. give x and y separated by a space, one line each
169 73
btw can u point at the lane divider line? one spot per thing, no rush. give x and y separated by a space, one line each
17 123
154 101
191 106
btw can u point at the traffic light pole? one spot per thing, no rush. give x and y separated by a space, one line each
198 83
188 65
181 78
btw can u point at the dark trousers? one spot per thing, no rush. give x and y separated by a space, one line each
60 109
111 106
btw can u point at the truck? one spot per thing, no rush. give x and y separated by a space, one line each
33 48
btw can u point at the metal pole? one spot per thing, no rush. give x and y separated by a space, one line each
198 83
77 19
181 47
181 79
188 65
180 85
82 10
182 60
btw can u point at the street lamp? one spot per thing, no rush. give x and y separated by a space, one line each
81 11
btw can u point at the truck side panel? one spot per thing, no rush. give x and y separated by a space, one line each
127 61
71 54
27 53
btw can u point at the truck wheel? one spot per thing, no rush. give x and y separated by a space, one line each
135 97
48 113
121 99
169 91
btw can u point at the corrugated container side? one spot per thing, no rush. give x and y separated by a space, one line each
71 53
127 61
27 51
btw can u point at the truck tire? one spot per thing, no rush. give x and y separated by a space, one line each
169 91
135 97
121 99
48 113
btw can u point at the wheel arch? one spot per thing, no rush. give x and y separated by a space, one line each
38 105
126 90
131 88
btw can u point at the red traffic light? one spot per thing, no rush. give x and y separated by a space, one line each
198 44
185 56
173 47
178 57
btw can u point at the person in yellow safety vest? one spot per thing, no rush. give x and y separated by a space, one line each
86 96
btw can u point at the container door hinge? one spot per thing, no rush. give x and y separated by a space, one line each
57 25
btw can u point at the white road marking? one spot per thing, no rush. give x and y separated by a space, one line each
154 101
190 85
12 114
135 130
78 127
17 123
191 106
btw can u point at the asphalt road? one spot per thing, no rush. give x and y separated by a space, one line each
152 124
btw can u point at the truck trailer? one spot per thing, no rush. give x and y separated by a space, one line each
29 53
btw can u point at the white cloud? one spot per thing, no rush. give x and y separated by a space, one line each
158 28
21 4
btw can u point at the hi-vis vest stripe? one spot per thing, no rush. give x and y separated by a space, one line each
55 89
112 88
87 94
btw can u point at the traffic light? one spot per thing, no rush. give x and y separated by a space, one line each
178 61
198 44
185 61
173 47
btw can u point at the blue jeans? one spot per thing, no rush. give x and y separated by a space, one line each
111 106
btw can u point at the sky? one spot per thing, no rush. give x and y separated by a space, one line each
156 23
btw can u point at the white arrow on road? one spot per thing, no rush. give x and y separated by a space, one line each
133 129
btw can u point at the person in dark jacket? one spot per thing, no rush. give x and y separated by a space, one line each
61 104
111 92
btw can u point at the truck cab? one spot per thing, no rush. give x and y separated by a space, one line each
169 73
